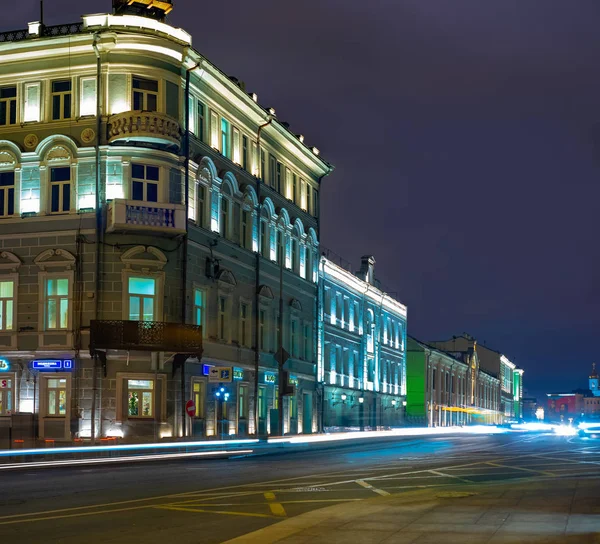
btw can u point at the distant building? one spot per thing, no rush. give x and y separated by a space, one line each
529 408
577 404
446 388
497 364
361 349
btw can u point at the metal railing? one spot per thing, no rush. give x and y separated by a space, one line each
46 32
145 336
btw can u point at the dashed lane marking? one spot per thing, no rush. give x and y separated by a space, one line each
371 488
276 508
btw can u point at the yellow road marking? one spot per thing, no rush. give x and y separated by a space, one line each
275 507
202 511
81 514
546 473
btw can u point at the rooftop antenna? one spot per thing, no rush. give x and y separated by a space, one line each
42 13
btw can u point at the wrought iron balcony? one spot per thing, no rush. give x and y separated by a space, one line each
144 126
146 336
137 216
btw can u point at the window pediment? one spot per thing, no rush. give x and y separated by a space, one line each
266 293
9 261
295 305
58 153
55 258
146 257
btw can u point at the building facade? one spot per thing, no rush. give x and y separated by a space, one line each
496 364
446 389
152 214
361 349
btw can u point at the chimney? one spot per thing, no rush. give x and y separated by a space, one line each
367 269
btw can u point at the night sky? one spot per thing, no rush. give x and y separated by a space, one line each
466 140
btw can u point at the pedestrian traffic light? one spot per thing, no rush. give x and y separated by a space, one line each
288 388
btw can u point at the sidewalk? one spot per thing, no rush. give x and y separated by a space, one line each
554 511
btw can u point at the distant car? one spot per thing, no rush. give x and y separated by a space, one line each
590 430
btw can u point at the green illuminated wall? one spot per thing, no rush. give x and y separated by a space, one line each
415 380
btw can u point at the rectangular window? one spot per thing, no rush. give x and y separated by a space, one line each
295 188
280 248
306 347
201 122
294 250
244 152
8 106
262 402
144 182
57 303
201 205
225 137
60 189
235 146
198 307
199 396
294 338
87 100
142 294
61 99
32 102
224 222
145 94
262 330
140 398
7 305
308 208
279 178
315 203
222 318
244 322
5 396
57 397
272 171
263 160
264 240
7 194
243 401
246 229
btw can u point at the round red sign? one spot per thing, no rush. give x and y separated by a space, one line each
190 408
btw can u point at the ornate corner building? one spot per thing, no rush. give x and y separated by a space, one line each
149 206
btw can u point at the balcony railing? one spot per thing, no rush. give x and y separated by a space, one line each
46 32
144 126
138 216
146 336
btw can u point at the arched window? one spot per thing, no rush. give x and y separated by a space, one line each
226 212
265 235
370 331
8 184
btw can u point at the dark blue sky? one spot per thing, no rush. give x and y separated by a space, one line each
466 139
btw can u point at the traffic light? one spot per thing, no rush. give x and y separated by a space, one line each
288 388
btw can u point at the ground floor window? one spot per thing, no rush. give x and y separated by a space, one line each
199 389
140 395
262 402
6 399
243 401
56 392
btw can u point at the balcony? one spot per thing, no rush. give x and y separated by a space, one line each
145 336
145 127
137 216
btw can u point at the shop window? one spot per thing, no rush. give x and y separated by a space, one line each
199 396
7 305
145 94
56 392
57 303
6 396
142 293
243 401
140 398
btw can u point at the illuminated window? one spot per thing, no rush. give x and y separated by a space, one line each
272 171
243 401
145 94
8 106
7 305
7 194
144 182
57 303
279 178
199 388
142 292
295 260
225 138
87 101
60 189
56 394
201 121
244 324
140 398
262 402
61 100
199 307
264 240
201 210
6 396
32 102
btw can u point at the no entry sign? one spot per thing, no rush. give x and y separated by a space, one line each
190 408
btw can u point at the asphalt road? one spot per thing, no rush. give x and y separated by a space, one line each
211 501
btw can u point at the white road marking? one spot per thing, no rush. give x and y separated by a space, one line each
371 488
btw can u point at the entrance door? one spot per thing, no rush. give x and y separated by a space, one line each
307 413
262 410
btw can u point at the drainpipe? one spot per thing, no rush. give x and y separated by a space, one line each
257 280
186 151
98 225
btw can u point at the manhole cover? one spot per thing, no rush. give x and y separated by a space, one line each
454 494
